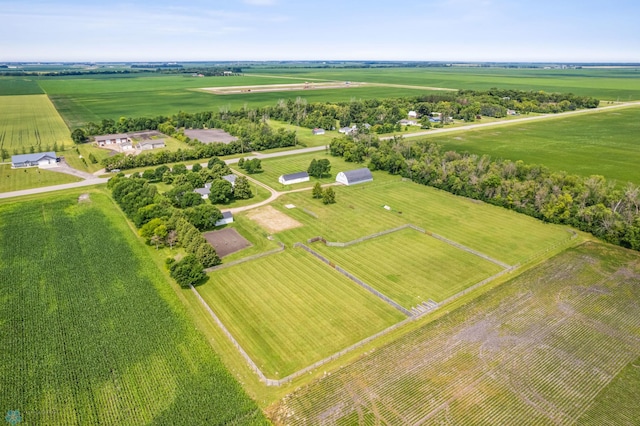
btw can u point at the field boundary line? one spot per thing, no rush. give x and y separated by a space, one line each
246 356
246 259
468 249
355 279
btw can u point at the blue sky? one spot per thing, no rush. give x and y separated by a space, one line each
442 30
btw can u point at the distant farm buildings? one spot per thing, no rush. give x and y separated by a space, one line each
151 144
292 178
318 131
353 177
413 114
115 139
227 218
40 159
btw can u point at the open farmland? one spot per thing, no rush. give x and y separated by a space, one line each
289 310
411 267
19 86
499 233
611 84
605 144
545 348
30 121
91 330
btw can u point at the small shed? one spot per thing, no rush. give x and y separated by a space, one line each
227 218
126 146
39 159
413 114
353 177
318 131
294 178
231 179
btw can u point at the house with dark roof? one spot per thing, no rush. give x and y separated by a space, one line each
353 177
227 218
204 192
231 179
292 178
39 159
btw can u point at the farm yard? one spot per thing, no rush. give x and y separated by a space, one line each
86 343
542 349
32 177
288 310
31 122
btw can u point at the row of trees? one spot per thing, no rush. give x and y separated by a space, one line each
591 204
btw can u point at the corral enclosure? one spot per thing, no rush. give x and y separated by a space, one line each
543 349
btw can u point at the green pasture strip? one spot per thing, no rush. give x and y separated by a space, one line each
610 84
10 86
411 267
32 177
92 332
30 121
499 233
290 310
563 334
594 144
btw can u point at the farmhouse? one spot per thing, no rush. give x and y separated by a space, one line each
40 159
294 178
105 140
151 144
227 218
318 131
405 122
204 192
231 179
353 177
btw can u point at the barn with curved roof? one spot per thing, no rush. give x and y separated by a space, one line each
353 177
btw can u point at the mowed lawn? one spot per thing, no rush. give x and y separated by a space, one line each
32 177
31 121
605 144
411 267
290 310
359 210
91 330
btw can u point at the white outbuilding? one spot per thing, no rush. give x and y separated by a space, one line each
353 177
294 178
227 218
39 159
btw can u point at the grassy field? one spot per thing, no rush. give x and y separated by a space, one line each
610 84
411 267
502 234
92 331
289 310
554 346
594 144
30 122
32 177
19 86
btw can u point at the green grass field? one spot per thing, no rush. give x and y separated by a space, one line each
289 310
93 333
32 177
19 86
411 267
30 121
594 144
502 234
556 345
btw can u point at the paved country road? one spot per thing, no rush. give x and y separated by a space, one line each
275 194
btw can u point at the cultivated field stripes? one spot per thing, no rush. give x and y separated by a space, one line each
529 352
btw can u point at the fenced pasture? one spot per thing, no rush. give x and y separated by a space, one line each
499 233
543 349
288 310
30 121
594 144
612 84
91 330
411 267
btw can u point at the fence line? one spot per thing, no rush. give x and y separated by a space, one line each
252 364
246 259
366 237
355 279
468 250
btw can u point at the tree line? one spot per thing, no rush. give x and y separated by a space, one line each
591 204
